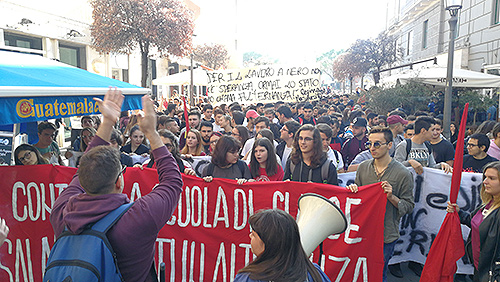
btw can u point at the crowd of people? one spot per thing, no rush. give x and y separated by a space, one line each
304 142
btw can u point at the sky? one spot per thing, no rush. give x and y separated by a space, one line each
291 31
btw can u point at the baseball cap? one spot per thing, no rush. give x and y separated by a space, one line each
395 119
252 114
359 121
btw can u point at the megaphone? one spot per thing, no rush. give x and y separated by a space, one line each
318 218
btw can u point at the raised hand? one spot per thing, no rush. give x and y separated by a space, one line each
111 106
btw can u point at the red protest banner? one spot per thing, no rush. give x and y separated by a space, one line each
207 237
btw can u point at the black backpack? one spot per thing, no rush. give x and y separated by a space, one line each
408 147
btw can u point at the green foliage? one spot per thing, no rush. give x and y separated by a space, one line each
326 62
411 97
477 101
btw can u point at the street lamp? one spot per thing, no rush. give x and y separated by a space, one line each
453 6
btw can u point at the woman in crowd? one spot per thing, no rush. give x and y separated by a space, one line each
193 145
226 163
275 240
213 141
170 141
137 143
308 162
116 141
262 133
263 164
240 132
482 245
26 154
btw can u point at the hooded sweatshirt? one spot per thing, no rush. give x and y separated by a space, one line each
133 237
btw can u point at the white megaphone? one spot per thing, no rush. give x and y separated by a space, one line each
318 218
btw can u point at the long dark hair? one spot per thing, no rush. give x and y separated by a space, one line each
224 145
283 258
243 131
28 147
271 162
318 154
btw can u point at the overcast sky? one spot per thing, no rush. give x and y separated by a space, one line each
292 31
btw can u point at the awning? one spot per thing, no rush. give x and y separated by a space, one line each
461 78
36 88
183 78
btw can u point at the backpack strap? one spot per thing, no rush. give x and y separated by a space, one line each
105 223
429 146
408 147
292 168
325 167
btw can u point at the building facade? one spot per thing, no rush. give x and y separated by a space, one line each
422 31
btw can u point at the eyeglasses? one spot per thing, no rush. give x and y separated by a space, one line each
284 129
307 139
234 134
472 145
376 144
26 156
169 146
121 172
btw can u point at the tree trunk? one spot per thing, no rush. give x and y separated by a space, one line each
362 81
144 64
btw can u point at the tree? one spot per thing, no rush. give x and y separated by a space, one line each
326 62
345 67
123 25
412 97
212 55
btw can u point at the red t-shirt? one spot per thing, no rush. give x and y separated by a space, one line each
264 177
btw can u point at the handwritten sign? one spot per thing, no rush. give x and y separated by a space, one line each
265 84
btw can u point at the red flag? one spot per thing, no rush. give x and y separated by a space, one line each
448 247
185 116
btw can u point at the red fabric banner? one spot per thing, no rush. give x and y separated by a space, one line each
207 237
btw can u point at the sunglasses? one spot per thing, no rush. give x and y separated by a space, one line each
121 172
376 144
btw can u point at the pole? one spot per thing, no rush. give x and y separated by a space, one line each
191 86
449 78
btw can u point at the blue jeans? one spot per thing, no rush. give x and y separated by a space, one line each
388 250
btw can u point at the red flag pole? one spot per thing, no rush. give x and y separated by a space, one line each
448 247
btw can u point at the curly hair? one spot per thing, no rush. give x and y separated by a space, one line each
318 154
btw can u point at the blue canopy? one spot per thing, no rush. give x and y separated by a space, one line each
35 88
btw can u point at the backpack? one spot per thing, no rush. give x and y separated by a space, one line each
408 147
324 171
241 165
87 256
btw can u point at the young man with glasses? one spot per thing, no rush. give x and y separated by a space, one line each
477 146
308 162
46 145
287 134
397 184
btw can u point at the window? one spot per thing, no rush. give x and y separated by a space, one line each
409 43
425 32
72 55
496 12
15 40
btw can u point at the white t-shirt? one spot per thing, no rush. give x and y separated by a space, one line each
335 157
286 155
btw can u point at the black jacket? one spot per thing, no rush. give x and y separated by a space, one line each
303 173
489 235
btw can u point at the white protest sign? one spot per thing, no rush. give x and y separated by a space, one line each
265 84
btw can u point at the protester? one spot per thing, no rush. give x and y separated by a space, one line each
116 141
494 149
307 160
4 231
482 247
284 149
477 159
326 134
442 149
397 125
97 188
355 145
409 131
207 111
275 241
46 145
260 123
226 163
307 118
213 141
137 143
206 130
251 115
240 132
26 154
397 183
417 151
193 145
264 165
194 118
